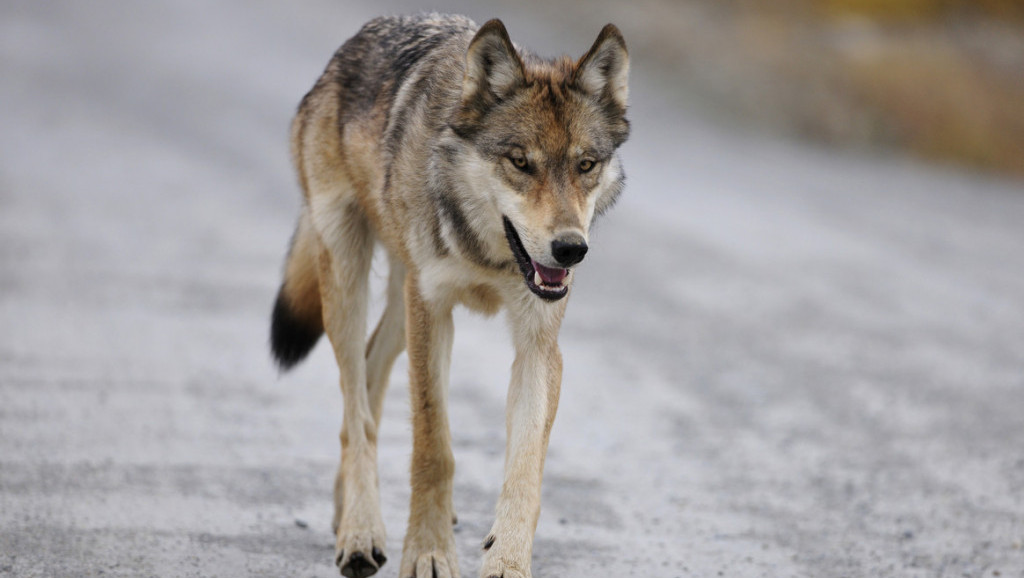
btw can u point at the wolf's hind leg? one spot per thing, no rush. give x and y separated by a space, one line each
344 270
388 339
385 345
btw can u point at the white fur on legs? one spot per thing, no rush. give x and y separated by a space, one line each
344 271
530 412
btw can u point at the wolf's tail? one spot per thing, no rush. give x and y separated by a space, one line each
297 323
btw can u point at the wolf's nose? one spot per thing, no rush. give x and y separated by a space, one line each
569 249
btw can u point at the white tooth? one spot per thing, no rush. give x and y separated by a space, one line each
537 280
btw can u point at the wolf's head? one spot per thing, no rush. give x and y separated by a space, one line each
542 139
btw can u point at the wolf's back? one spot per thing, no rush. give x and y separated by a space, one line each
361 81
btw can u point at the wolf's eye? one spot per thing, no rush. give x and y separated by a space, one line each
586 165
518 160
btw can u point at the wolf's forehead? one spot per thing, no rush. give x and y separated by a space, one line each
556 123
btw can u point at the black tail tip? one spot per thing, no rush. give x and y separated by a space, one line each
291 337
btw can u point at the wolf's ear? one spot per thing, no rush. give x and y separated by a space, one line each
604 69
493 69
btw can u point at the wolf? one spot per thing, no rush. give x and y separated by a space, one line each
480 168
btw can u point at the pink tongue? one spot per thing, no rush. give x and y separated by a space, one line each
549 275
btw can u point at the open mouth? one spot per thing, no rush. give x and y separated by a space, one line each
546 282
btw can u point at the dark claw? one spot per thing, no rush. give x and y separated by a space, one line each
433 567
379 557
489 543
358 567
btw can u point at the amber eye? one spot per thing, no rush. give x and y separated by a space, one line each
518 160
586 165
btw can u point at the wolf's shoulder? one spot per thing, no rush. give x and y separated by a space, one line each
388 47
369 69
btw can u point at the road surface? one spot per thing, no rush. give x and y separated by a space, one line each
779 361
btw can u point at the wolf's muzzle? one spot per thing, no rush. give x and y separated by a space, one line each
546 282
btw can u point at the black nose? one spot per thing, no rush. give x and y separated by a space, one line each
568 249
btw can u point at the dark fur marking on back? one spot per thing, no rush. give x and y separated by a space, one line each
372 65
419 41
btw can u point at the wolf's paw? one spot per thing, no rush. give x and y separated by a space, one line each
435 564
495 566
503 572
422 561
359 554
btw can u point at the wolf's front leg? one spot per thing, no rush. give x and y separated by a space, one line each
530 412
429 550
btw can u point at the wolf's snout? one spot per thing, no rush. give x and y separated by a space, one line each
569 249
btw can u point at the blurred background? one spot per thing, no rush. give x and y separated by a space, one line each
937 79
795 349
